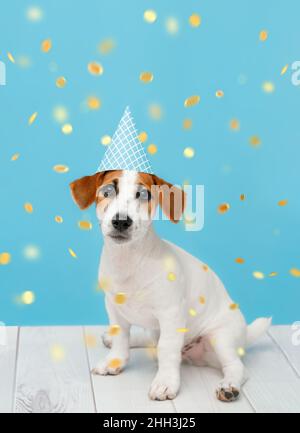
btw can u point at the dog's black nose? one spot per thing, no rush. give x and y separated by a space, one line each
122 222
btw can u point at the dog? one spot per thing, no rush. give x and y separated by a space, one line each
155 285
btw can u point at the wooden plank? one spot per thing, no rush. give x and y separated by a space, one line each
52 372
273 386
8 350
128 392
285 337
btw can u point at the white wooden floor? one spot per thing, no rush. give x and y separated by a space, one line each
48 370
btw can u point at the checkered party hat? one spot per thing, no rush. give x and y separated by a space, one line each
126 151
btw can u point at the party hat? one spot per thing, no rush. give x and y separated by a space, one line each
126 151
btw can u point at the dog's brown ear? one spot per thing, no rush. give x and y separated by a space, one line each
171 199
84 190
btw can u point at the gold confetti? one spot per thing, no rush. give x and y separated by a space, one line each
150 16
31 252
57 353
15 157
183 330
28 298
104 284
34 14
155 111
115 363
151 352
46 45
61 168
202 300
90 341
107 46
11 58
241 352
172 277
5 259
120 298
234 307
58 219
72 253
67 129
60 114
284 70
85 225
32 118
146 77
242 197
235 125
268 87
258 275
152 149
187 124
240 261
28 207
95 68
143 137
223 208
219 94
114 330
283 203
189 152
263 36
273 274
192 101
172 25
61 82
93 103
295 272
106 140
195 20
192 312
205 268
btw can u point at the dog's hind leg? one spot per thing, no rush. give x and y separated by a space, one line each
139 338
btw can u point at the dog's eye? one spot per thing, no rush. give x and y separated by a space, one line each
108 191
143 194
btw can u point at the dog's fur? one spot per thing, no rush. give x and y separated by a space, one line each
162 288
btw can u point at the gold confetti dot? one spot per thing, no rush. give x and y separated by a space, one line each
46 46
115 363
90 341
241 352
155 111
5 259
107 46
93 103
295 272
120 298
104 284
61 82
150 16
235 125
58 219
67 129
72 253
34 14
28 207
255 141
283 203
85 225
32 118
234 307
202 300
143 137
11 58
60 114
151 352
172 25
172 277
95 68
57 353
61 168
219 94
195 20
15 157
187 124
192 312
114 330
152 149
146 77
284 70
28 298
242 197
240 261
183 330
268 87
192 101
273 274
263 36
31 252
106 140
258 275
223 208
189 152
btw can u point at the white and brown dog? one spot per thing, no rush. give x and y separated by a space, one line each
155 285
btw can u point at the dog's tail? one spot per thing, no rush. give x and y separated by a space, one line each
257 329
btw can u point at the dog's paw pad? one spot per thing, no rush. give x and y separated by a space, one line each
227 394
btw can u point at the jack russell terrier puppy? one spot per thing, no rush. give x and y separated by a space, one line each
155 285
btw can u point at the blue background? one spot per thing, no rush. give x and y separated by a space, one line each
223 53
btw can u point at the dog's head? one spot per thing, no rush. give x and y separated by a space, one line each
126 201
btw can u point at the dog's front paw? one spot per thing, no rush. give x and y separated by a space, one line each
227 393
164 387
111 367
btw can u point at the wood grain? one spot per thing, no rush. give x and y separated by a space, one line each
7 368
